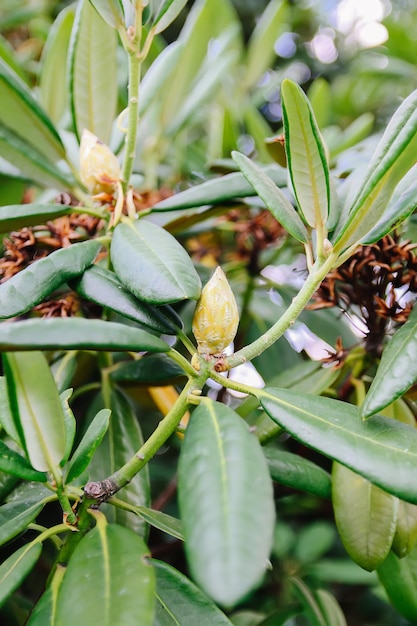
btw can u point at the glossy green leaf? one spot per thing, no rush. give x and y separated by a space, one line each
395 154
206 21
405 537
93 73
260 50
70 423
53 80
399 577
76 332
280 207
15 517
397 370
401 205
294 471
111 578
64 368
181 603
332 613
14 570
111 12
88 445
320 97
306 155
152 84
43 613
152 369
217 190
104 288
6 417
206 85
225 496
22 116
309 600
36 407
161 521
366 517
17 216
30 286
152 264
13 463
167 12
121 442
380 449
31 162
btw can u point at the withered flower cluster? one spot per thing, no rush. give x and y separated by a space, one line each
373 284
24 247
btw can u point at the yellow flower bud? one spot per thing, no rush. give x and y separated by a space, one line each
99 167
216 316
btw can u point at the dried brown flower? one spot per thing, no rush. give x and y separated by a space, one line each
372 284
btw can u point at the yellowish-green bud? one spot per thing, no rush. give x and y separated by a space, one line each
216 316
99 167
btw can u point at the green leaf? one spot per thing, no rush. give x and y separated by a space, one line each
218 190
151 369
180 603
6 417
13 463
111 579
405 537
277 203
330 608
320 97
30 286
366 517
403 202
76 332
104 288
36 407
111 11
260 50
70 423
53 80
395 154
399 577
31 162
206 84
293 471
167 12
221 514
152 264
14 570
43 613
22 116
310 602
152 84
15 517
306 156
88 445
397 370
93 73
17 216
121 442
380 449
161 521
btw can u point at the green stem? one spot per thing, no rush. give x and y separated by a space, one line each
133 118
186 342
182 362
233 384
254 349
164 430
70 516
